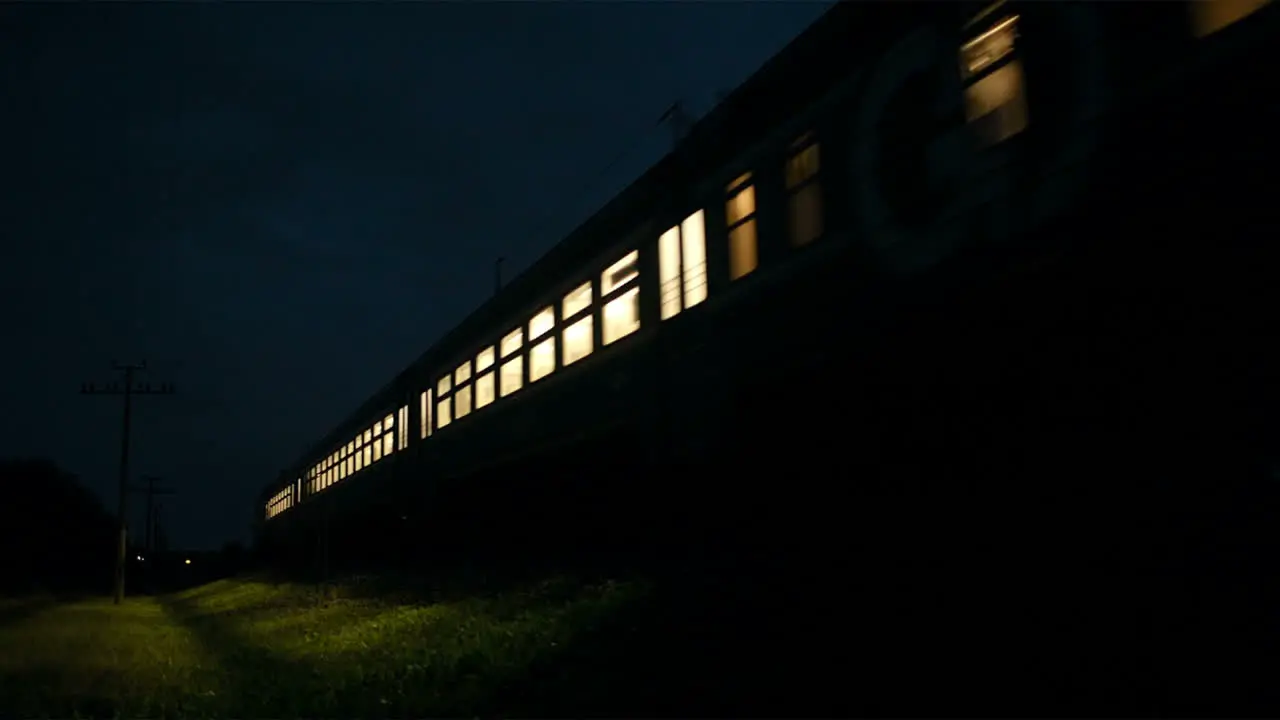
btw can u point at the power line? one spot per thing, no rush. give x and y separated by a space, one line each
128 390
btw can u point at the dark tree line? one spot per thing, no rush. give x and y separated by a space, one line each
55 535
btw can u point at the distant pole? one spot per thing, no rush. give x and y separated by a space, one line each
128 391
151 490
497 276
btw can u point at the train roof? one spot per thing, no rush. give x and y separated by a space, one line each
801 73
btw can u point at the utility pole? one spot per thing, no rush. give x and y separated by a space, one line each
151 490
128 390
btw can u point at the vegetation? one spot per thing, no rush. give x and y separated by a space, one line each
66 537
253 648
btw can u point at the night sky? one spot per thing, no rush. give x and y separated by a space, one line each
280 205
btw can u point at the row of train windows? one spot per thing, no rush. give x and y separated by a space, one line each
682 283
528 353
280 502
376 442
498 372
994 103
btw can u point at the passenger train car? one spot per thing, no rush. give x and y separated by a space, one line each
994 271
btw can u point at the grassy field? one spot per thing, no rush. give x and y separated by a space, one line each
261 649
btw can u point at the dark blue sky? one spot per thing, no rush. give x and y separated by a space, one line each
280 205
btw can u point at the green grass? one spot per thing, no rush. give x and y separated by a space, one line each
261 649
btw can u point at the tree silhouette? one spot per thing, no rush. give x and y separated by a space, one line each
57 535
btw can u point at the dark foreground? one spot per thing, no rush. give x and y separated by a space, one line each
702 645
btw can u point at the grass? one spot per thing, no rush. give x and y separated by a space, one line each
261 649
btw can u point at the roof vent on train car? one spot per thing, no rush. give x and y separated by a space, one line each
679 120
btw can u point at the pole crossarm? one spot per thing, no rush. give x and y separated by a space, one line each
127 389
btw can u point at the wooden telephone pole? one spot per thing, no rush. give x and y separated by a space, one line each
128 390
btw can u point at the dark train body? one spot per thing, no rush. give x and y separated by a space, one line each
1023 361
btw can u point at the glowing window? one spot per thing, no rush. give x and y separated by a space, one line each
402 427
342 470
669 272
577 341
484 360
512 342
542 359
377 428
620 273
443 416
542 322
1210 16
682 265
803 164
576 301
742 250
804 201
693 242
388 444
484 390
740 216
377 450
463 373
388 422
444 385
621 316
368 435
512 376
359 461
741 205
368 454
424 410
461 402
995 100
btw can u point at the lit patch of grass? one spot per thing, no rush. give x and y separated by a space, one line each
351 655
254 648
95 658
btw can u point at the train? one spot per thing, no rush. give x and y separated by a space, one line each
929 260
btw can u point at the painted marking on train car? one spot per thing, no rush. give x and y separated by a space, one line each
977 191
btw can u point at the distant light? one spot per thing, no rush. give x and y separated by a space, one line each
139 557
187 561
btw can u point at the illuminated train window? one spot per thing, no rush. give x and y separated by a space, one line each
682 265
740 217
994 85
577 341
1210 16
462 391
424 412
443 402
485 391
542 355
621 296
511 375
804 193
576 301
542 359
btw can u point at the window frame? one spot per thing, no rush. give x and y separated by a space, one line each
806 140
742 182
